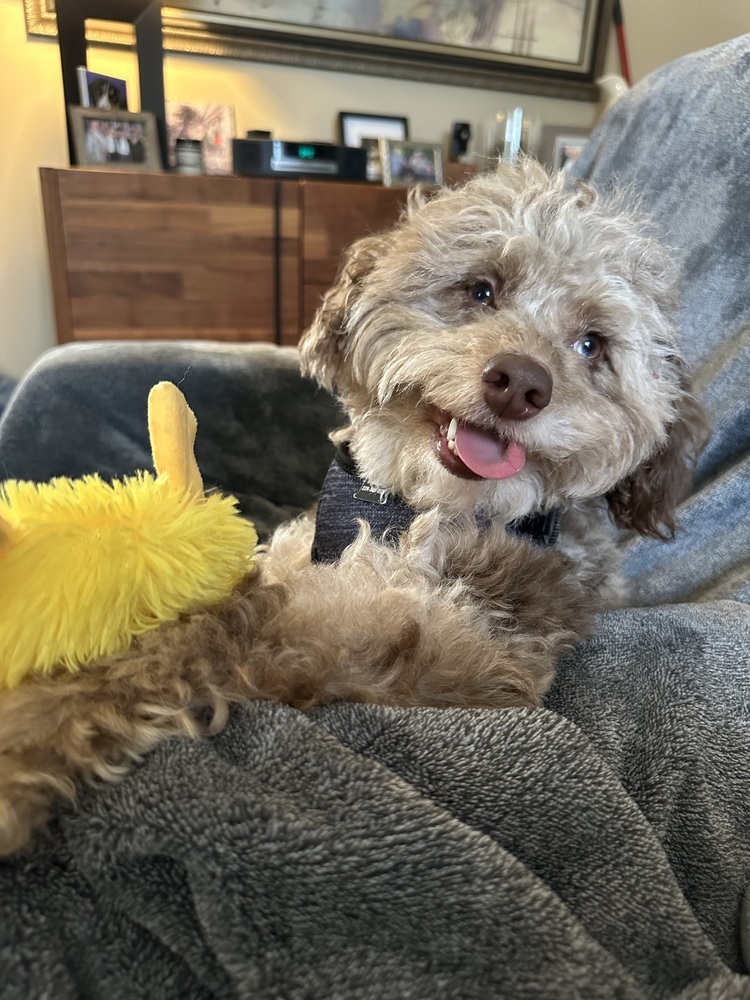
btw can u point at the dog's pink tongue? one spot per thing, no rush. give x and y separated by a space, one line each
486 455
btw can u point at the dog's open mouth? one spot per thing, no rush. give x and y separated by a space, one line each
472 452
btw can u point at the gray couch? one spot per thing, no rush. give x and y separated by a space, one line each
596 848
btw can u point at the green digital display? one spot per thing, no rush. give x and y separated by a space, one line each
306 152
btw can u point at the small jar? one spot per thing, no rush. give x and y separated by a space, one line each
189 156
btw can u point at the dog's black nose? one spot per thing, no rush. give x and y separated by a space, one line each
515 386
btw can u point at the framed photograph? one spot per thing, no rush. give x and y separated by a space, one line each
99 91
358 129
355 126
407 163
115 140
555 48
560 145
212 124
567 150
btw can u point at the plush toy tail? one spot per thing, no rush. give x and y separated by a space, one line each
171 428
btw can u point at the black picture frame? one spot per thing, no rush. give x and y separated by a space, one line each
354 126
145 17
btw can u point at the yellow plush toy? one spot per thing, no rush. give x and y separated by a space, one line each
86 565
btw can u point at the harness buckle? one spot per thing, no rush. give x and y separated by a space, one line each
370 494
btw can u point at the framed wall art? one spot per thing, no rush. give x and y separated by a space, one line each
212 124
550 47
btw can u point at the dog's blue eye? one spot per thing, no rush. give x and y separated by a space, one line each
483 293
590 346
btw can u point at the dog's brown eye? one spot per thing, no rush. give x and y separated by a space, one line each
590 346
483 293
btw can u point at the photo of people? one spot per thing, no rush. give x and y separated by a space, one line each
117 140
410 163
114 142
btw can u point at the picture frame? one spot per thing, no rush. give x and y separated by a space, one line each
361 129
355 126
96 90
567 150
115 140
406 162
213 124
560 55
560 144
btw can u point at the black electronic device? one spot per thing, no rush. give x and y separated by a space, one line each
276 158
460 136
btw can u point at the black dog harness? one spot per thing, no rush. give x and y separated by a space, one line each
346 499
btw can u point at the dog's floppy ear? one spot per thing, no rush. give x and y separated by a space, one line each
322 346
645 501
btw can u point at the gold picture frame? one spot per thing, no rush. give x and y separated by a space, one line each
200 27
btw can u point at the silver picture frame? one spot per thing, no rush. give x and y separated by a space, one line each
406 162
133 138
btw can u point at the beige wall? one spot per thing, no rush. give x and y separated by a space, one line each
659 31
294 103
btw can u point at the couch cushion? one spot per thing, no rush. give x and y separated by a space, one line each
262 428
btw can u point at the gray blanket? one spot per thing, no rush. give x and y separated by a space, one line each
379 853
596 848
680 145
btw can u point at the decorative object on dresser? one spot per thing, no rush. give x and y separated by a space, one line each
509 133
145 16
460 137
612 87
212 124
188 156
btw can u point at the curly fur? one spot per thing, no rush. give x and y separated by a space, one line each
455 616
438 627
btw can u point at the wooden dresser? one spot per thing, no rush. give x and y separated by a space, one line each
147 256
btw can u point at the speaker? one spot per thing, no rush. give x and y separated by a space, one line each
273 158
460 136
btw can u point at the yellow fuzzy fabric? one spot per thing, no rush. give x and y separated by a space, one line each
86 565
